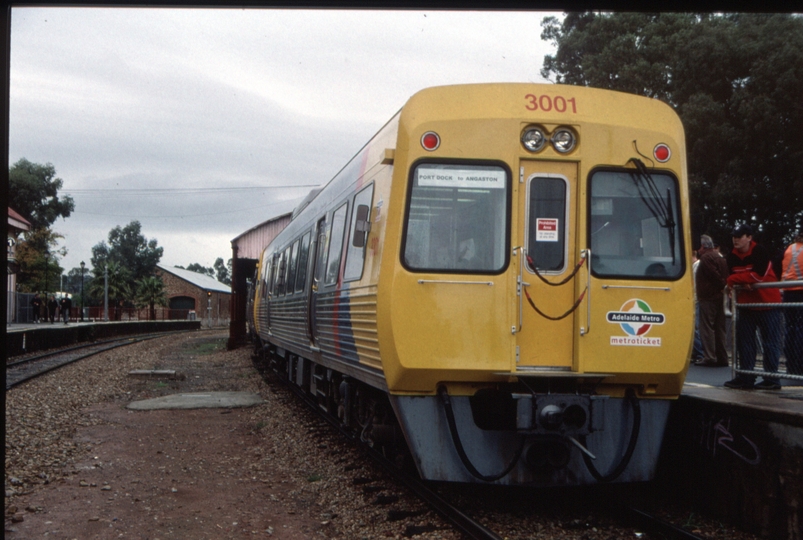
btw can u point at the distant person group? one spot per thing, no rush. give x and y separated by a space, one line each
52 307
741 268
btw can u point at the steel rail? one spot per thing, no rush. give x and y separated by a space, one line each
469 527
16 375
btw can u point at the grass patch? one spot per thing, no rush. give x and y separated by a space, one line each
208 347
314 477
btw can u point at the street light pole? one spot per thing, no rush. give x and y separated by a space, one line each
82 290
47 264
106 294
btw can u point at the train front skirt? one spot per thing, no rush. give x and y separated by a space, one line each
623 446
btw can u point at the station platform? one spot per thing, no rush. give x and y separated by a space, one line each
29 337
737 453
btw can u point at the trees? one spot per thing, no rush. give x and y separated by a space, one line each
150 292
735 81
38 260
128 248
119 278
223 271
220 271
33 192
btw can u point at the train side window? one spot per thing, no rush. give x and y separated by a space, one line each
303 260
635 225
291 268
360 227
281 272
265 285
272 273
546 226
335 244
457 219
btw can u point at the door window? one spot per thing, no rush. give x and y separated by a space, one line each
546 228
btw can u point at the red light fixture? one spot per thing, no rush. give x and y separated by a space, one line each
430 141
662 152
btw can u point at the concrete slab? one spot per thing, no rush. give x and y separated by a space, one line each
201 400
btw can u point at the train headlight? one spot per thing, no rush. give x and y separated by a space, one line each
533 139
564 140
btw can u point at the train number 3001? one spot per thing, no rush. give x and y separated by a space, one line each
547 103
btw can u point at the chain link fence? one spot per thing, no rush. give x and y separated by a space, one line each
767 339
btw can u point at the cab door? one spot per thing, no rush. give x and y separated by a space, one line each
547 223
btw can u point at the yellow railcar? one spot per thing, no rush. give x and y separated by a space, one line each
499 278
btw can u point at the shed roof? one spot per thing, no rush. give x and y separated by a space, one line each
16 221
202 281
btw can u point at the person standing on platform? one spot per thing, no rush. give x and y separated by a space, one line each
36 306
66 304
711 277
52 306
749 263
793 271
697 353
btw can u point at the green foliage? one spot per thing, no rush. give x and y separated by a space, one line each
33 192
223 271
39 261
129 249
150 293
119 278
734 79
220 271
196 267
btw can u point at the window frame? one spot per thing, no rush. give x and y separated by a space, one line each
350 235
508 214
680 237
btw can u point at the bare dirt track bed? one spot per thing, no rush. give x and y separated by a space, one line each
80 465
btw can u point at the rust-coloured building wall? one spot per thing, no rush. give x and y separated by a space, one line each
246 250
220 301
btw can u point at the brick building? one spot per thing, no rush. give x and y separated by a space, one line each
194 295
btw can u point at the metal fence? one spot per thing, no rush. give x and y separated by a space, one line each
20 311
767 339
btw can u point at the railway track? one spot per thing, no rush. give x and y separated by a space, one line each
20 371
630 516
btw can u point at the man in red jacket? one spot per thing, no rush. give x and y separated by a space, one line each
749 264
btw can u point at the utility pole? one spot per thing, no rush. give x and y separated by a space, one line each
106 294
82 290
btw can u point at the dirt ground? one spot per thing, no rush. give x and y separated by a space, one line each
194 474
165 474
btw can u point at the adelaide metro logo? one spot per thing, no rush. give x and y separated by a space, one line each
635 318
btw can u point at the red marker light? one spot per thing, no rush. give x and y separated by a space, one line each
430 141
662 153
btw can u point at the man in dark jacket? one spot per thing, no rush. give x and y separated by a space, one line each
711 278
36 306
52 306
65 306
749 264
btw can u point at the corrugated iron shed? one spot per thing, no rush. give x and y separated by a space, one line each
249 245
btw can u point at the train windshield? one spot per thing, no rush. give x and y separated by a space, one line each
635 225
457 219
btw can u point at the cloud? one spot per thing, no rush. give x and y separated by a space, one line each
138 100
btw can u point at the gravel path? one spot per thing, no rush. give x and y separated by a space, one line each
80 465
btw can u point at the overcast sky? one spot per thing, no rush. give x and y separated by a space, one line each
201 124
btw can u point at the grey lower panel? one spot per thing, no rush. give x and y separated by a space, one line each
426 429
